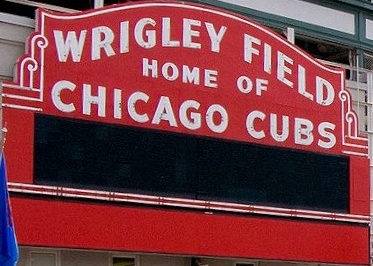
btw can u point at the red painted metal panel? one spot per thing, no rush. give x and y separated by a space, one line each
19 147
359 185
92 226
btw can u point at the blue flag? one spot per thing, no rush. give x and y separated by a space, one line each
8 241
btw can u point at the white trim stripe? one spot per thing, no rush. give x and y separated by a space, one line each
184 203
22 107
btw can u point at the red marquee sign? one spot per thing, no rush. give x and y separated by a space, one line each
185 68
190 69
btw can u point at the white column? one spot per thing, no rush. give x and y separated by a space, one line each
99 3
290 35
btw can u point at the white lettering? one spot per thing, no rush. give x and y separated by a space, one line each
166 34
215 37
124 37
195 118
188 33
89 99
244 84
164 112
170 71
282 69
211 78
275 128
261 85
117 104
267 58
71 44
324 92
99 43
303 131
249 50
302 83
250 119
146 67
216 108
131 106
56 95
323 131
150 34
190 76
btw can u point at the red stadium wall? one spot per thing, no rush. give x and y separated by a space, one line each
53 223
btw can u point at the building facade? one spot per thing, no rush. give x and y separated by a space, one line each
189 132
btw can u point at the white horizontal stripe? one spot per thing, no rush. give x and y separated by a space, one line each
21 107
185 203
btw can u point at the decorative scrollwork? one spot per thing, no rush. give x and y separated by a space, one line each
353 143
38 41
344 96
29 65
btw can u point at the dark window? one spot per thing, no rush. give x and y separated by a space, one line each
326 50
27 9
17 9
98 156
111 2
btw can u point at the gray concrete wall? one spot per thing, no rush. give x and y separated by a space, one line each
14 31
